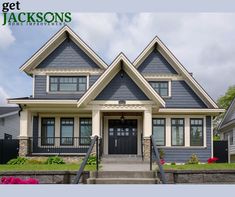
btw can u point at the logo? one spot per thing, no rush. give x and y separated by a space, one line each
32 18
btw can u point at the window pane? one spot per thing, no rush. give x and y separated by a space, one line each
53 87
67 126
177 129
164 92
85 130
48 131
81 87
196 132
160 87
159 135
68 87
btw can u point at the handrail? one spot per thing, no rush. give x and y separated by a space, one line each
153 147
94 141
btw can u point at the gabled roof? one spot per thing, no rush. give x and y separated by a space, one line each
156 43
8 111
53 43
120 62
229 117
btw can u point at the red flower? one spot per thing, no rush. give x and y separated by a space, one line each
15 180
162 161
212 160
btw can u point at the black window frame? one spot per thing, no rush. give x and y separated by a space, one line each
159 89
67 118
178 125
7 136
160 125
197 126
60 82
81 138
42 141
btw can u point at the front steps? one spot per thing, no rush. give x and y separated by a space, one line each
123 177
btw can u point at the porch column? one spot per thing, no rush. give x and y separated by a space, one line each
96 123
25 125
147 132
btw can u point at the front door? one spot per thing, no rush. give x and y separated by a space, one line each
122 136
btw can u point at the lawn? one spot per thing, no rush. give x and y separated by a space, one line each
215 166
41 167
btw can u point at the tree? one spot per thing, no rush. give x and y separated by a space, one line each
224 102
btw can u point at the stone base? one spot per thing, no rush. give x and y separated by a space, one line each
146 148
67 159
23 147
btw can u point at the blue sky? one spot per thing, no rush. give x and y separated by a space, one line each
203 42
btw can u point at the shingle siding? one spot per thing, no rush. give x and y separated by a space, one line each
182 96
68 55
156 63
181 155
121 89
41 93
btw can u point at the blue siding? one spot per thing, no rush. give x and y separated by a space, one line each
182 96
121 89
40 89
156 63
182 155
68 55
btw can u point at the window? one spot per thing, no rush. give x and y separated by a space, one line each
159 131
66 129
48 131
196 132
161 87
2 121
85 131
68 84
177 132
7 136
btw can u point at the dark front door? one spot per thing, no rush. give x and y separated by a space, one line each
221 151
122 137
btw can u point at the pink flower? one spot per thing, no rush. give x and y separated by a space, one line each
15 180
212 160
162 161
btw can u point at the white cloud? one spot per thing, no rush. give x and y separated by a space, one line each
6 36
3 96
203 42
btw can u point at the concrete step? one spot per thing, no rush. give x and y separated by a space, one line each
123 174
122 160
123 181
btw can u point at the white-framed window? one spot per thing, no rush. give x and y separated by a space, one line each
163 88
67 83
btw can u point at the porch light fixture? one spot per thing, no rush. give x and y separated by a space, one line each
122 118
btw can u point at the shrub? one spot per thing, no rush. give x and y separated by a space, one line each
161 153
15 180
91 160
17 161
55 160
212 160
193 159
173 163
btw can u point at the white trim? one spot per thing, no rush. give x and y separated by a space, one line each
112 70
45 71
163 80
54 42
156 76
34 101
33 85
8 114
190 110
177 65
47 83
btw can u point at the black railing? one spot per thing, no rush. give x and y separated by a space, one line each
94 141
156 157
59 145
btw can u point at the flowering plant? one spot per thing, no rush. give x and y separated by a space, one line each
15 180
212 160
162 161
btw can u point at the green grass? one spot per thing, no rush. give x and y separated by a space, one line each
45 167
215 166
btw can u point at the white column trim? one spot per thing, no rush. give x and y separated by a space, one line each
95 122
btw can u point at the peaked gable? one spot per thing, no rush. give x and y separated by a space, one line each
122 87
68 54
156 63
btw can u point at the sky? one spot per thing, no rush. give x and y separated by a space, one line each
202 42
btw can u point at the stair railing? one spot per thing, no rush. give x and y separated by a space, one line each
154 150
94 141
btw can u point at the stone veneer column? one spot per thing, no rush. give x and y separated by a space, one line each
147 132
24 147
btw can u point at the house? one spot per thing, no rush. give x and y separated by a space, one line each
9 123
227 130
76 95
